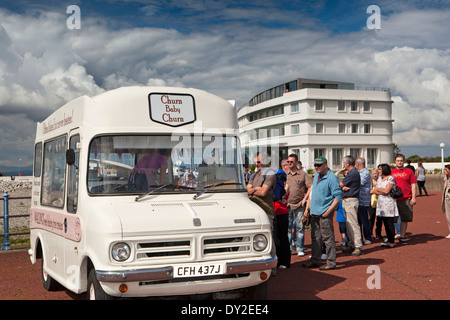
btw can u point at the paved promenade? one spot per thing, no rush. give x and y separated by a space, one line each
418 270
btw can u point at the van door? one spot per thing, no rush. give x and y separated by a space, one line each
72 223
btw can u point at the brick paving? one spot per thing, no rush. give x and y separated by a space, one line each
415 271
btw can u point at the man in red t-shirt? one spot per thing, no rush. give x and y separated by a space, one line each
406 181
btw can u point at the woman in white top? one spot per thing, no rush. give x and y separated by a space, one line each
420 174
386 205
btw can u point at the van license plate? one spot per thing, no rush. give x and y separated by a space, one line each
198 270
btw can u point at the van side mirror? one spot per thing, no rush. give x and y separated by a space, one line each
70 157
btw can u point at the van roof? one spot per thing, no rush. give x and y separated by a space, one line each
129 109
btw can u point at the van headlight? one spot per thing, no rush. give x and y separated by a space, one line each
259 242
121 251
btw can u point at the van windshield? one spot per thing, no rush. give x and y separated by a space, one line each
136 164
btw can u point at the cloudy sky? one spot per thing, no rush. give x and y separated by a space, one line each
234 49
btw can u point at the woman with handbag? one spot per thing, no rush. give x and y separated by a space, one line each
386 205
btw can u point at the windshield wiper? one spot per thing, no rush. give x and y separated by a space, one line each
215 185
171 185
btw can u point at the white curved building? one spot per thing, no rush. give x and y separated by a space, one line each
319 118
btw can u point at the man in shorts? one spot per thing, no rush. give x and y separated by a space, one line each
406 181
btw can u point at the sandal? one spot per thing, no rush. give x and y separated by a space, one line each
326 267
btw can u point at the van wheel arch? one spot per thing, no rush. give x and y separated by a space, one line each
38 249
94 288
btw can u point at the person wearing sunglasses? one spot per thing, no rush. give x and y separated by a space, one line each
300 184
325 196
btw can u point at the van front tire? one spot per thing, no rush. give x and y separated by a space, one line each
95 290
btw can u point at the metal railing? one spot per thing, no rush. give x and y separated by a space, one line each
6 216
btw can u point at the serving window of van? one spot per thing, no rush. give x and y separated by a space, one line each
53 175
125 164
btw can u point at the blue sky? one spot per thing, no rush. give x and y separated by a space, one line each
231 48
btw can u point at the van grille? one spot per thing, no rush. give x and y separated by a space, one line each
176 248
211 247
225 245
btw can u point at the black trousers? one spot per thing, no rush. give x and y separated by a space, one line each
389 227
280 235
421 185
379 222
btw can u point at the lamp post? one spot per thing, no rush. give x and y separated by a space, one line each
442 145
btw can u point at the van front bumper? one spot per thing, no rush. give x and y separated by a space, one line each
166 273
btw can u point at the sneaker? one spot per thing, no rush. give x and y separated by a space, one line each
367 242
300 253
357 252
282 267
402 240
323 256
447 237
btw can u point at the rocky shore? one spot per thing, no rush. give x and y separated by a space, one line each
19 187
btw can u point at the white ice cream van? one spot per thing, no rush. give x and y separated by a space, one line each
139 192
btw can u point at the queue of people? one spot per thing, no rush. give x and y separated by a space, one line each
363 200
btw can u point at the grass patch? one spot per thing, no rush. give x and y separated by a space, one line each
17 241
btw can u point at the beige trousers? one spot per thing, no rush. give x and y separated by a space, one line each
350 206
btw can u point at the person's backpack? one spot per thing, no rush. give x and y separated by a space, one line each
279 191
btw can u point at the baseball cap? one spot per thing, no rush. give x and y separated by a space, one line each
320 160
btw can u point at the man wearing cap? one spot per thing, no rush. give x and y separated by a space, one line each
325 197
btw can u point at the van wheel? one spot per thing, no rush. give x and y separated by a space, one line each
48 282
95 290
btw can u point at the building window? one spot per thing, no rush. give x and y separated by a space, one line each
354 152
295 129
275 132
366 106
341 106
319 127
319 153
341 128
291 86
275 112
319 105
297 152
354 128
367 128
354 106
294 107
371 158
337 158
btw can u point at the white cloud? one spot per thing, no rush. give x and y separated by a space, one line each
43 64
